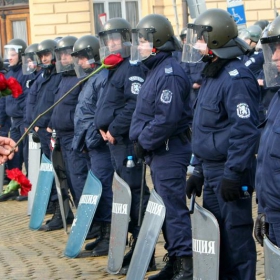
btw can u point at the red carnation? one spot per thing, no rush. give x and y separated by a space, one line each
14 86
112 60
20 180
3 83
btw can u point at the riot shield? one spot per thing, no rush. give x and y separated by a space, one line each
119 224
147 238
2 171
206 244
271 260
42 194
61 184
34 155
86 209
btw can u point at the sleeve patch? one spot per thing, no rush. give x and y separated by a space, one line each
243 111
166 96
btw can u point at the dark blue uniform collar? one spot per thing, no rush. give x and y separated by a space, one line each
152 61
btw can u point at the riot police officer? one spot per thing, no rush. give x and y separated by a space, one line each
87 138
30 66
267 175
254 59
224 139
160 129
62 119
114 112
43 98
14 108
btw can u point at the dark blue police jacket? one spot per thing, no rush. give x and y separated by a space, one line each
225 119
31 97
118 101
86 136
62 119
45 96
268 163
162 108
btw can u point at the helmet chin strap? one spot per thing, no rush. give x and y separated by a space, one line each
209 57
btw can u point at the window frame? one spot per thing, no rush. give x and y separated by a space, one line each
106 8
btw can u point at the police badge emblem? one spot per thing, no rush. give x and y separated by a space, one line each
166 96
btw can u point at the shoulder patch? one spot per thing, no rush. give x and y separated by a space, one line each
248 62
243 111
233 73
166 96
168 70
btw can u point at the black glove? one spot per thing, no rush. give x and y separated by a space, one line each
140 152
230 190
261 228
194 183
35 137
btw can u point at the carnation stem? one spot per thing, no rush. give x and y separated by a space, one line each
57 102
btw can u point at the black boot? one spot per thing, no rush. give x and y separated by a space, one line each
128 256
184 269
55 222
90 246
12 195
168 270
94 231
50 208
102 246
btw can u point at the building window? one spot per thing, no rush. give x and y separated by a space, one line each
128 10
12 2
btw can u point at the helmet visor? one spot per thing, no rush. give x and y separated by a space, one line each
45 58
271 67
11 53
142 45
29 63
113 43
83 63
64 60
195 46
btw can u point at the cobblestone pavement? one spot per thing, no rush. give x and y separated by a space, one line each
26 254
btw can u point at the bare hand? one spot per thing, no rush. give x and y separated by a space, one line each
196 86
260 81
103 134
36 128
49 130
6 148
110 138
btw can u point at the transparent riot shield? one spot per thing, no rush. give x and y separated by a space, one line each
206 244
147 238
34 155
271 260
86 209
42 194
119 224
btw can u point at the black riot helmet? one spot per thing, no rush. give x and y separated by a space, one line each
17 45
183 33
161 30
46 47
115 38
30 59
86 55
262 23
219 31
63 50
252 33
153 32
